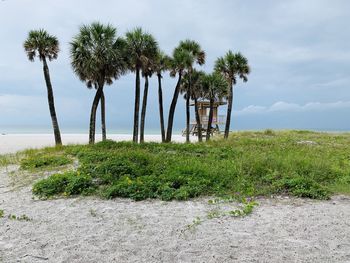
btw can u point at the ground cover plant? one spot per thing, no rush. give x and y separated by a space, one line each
298 163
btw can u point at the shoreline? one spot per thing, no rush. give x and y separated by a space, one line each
12 143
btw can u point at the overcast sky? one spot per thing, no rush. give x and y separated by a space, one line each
298 50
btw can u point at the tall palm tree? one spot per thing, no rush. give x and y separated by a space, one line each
140 48
215 89
97 59
147 71
40 43
185 89
192 89
231 66
161 64
185 56
197 92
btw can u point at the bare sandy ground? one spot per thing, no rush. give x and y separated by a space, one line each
94 230
11 143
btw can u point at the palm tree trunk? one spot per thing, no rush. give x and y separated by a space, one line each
137 107
103 117
229 110
143 111
93 115
188 116
51 101
210 120
188 113
160 101
172 109
198 120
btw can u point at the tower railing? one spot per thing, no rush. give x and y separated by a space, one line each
220 119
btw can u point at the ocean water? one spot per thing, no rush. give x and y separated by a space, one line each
48 130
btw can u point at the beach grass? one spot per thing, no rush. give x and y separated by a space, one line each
298 163
8 159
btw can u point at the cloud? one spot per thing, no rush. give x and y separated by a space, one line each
298 51
282 106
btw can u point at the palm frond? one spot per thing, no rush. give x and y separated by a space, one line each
40 43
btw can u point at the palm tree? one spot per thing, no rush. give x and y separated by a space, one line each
97 59
191 88
40 43
140 48
231 66
197 92
185 55
215 89
185 88
147 72
161 64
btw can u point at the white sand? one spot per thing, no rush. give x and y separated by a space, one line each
93 230
11 143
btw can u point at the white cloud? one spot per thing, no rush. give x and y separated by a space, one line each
282 106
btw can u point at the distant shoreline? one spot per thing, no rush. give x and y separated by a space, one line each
12 143
154 133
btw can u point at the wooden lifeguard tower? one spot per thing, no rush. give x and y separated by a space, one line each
203 110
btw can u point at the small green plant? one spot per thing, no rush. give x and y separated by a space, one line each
19 218
2 213
196 222
247 209
214 214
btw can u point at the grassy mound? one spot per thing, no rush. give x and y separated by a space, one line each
298 163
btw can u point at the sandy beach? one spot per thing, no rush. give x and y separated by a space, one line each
89 229
93 230
11 143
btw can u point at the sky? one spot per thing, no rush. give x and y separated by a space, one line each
298 52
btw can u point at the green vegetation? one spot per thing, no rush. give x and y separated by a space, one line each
8 159
14 217
19 218
39 161
303 164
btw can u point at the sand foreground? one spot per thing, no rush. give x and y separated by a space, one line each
94 230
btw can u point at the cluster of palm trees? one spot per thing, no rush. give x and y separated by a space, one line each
99 56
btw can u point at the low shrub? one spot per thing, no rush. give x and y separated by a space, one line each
69 183
304 187
79 184
38 161
53 185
